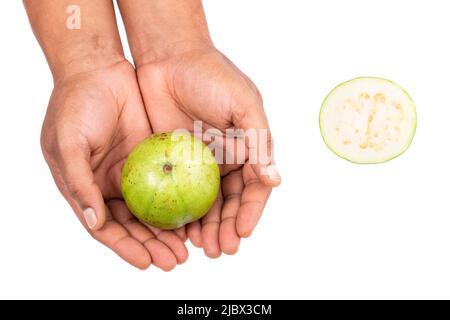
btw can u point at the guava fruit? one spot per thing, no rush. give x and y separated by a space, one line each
368 120
170 179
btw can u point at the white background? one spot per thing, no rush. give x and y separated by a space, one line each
332 230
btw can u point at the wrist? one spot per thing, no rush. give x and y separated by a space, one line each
82 57
159 51
92 42
160 29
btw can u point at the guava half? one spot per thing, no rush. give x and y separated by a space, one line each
368 120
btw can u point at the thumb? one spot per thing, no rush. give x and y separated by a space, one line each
259 144
72 171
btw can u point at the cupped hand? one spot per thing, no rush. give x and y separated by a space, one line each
93 121
202 84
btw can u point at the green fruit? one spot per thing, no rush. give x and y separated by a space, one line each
368 120
170 179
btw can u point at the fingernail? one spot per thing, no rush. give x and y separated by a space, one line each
90 217
273 173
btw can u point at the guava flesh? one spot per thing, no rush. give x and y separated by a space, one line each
170 180
368 120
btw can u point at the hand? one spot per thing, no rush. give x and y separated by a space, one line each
93 121
202 84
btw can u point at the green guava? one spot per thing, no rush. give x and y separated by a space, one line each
170 179
368 120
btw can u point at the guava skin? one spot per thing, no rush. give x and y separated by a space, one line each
167 183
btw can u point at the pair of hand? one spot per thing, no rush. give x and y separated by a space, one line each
94 120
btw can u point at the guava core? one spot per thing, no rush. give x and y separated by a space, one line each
170 179
368 120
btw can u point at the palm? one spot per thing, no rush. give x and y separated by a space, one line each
208 87
103 111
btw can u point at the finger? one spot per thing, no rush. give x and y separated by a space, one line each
253 121
172 241
194 232
122 215
232 186
166 260
253 200
69 163
210 229
116 237
181 233
162 256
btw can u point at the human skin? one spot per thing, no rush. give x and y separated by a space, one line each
94 119
183 77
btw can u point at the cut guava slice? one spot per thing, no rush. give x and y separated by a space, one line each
368 120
